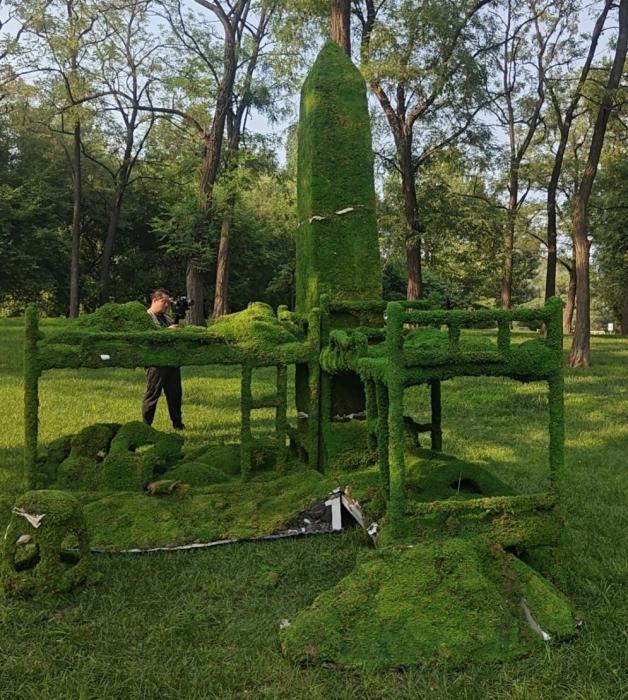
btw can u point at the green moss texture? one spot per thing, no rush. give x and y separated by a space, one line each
33 562
454 601
336 253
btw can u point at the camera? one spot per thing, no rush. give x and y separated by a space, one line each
180 305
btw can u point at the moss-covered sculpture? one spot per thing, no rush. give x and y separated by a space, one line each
337 247
34 562
453 594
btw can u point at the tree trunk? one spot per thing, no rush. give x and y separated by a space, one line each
196 292
76 223
208 175
107 253
550 277
624 311
509 236
570 304
221 293
410 218
580 348
341 24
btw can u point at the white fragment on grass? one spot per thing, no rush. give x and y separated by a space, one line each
23 539
373 530
546 637
317 218
33 518
105 357
283 623
340 212
302 415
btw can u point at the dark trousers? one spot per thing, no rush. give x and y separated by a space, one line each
168 379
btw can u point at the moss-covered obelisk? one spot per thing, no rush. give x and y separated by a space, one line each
337 247
337 243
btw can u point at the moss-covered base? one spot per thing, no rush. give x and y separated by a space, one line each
453 600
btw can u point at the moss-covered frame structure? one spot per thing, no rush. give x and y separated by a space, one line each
80 347
410 349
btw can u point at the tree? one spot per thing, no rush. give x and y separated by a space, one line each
579 355
241 101
556 86
57 35
531 39
422 64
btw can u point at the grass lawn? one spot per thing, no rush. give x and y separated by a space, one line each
204 624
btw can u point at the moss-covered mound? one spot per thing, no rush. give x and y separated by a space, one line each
108 456
254 508
33 562
129 468
255 327
117 318
453 600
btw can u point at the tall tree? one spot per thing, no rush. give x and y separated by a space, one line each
531 35
422 62
556 86
59 35
127 67
240 103
580 354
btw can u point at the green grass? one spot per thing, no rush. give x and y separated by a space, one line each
204 624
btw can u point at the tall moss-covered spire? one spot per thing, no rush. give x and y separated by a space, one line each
337 253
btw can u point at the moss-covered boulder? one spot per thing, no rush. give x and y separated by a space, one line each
50 459
452 601
117 318
82 468
137 453
34 560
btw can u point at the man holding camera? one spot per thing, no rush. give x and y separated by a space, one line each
167 379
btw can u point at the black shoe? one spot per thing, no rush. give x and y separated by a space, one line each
178 426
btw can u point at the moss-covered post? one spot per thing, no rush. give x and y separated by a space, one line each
436 433
371 413
246 438
281 424
395 381
381 393
314 389
32 371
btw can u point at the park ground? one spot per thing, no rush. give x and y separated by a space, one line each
204 624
